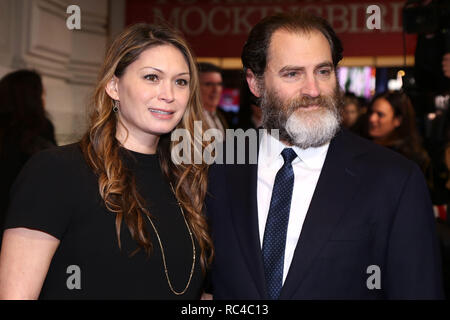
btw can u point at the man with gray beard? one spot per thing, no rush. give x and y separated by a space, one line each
324 214
296 124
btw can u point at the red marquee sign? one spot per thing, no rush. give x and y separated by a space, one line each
219 28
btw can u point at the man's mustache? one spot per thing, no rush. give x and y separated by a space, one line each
307 101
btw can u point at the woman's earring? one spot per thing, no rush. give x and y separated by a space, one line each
116 106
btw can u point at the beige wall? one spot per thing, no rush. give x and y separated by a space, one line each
33 34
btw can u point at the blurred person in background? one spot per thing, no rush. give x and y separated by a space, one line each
442 213
442 201
392 124
446 65
350 111
211 87
24 127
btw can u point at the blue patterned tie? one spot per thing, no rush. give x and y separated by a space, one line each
275 232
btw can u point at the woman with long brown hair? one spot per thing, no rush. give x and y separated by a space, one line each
392 123
113 217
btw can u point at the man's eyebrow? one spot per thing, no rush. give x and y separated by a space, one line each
289 68
325 64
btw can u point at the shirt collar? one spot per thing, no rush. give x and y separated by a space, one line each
271 148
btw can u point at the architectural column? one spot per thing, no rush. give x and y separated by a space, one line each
34 35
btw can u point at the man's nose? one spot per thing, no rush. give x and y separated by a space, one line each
216 86
311 87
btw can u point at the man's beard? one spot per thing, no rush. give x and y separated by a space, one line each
299 125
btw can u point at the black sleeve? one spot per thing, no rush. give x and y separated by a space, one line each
43 197
414 262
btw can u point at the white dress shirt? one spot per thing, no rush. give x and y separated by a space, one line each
307 167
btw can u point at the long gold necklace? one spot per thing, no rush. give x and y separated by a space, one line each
164 256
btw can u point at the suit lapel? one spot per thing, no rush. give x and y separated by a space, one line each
334 191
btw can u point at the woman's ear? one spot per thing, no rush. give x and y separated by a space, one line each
252 81
397 121
112 88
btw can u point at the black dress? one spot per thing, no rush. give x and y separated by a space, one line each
57 193
12 159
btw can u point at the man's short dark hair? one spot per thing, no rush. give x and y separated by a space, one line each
254 53
208 67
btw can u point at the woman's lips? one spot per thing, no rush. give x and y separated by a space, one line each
160 113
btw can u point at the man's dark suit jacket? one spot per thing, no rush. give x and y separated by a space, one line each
371 207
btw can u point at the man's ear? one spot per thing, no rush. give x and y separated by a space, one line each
112 88
252 81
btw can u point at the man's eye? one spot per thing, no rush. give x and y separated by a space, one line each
182 82
292 74
151 77
324 72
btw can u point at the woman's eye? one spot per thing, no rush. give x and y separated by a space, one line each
151 77
182 82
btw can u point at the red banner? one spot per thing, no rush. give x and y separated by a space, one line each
219 28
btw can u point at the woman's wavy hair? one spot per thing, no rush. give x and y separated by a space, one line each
101 149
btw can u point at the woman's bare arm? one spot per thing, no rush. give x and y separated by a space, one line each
24 261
